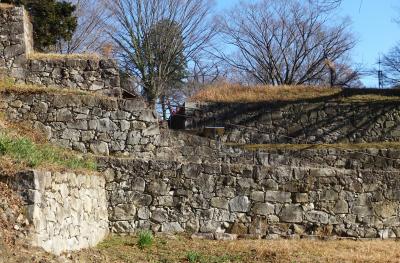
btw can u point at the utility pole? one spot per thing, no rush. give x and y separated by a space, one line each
380 74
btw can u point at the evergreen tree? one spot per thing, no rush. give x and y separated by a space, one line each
52 21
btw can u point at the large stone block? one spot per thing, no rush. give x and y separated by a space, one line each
239 204
278 196
291 214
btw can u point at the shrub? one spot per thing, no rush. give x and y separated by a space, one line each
145 239
193 256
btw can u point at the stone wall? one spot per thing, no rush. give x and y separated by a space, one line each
15 41
82 72
226 201
87 123
302 122
95 75
67 211
185 147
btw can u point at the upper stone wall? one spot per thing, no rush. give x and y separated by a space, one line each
302 122
95 75
15 41
82 72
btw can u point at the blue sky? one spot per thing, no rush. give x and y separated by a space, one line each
372 25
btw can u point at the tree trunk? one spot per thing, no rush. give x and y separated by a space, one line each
164 108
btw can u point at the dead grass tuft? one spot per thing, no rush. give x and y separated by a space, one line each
55 56
9 85
229 93
5 6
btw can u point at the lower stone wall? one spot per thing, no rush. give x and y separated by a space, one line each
251 201
67 211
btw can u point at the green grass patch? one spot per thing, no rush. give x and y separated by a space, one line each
193 256
145 240
24 150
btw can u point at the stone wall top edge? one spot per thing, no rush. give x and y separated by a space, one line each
85 99
105 161
72 59
325 103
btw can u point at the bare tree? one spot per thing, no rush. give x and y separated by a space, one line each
90 34
391 67
284 42
391 63
187 32
326 5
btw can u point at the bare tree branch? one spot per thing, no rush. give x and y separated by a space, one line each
284 42
131 22
90 34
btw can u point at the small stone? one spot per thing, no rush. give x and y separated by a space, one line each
219 202
100 148
209 236
171 227
225 236
341 207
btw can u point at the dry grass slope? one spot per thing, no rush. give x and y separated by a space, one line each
233 93
224 92
54 56
124 249
9 85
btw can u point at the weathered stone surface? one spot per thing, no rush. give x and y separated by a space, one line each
301 122
182 194
225 236
65 207
263 209
239 204
317 217
277 196
291 214
85 128
171 227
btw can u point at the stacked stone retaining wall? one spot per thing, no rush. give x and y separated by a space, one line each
301 122
95 75
17 60
15 41
67 211
87 123
251 200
